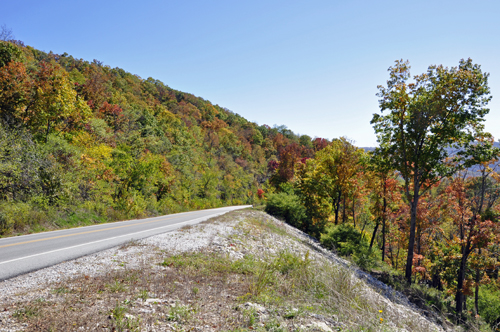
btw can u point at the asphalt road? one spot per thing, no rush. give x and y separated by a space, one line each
23 254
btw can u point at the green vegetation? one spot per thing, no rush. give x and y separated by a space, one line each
287 207
346 240
83 143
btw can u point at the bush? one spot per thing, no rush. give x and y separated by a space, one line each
287 207
4 225
489 304
348 241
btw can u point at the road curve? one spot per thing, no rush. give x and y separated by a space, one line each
27 253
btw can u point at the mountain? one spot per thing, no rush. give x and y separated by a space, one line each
83 142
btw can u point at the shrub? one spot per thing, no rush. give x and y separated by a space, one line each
348 241
287 207
4 225
489 304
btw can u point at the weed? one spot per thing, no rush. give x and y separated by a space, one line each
251 317
143 294
274 326
117 287
60 290
122 322
290 314
180 313
118 312
263 225
27 312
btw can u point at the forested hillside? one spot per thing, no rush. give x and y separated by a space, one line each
82 142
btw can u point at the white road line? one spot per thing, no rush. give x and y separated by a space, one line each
111 238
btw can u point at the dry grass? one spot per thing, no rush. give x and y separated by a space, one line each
102 303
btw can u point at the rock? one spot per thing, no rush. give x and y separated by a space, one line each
260 309
153 301
319 326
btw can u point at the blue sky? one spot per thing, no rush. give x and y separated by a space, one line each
313 66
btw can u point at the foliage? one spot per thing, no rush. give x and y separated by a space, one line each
81 136
443 108
348 241
489 305
287 207
9 52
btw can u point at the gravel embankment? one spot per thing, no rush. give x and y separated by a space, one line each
224 235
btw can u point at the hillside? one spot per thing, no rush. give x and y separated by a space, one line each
81 142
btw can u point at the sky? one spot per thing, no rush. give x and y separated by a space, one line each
312 66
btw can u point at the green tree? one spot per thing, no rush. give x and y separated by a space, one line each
328 178
442 109
54 101
9 52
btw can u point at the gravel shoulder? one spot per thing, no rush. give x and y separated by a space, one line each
238 272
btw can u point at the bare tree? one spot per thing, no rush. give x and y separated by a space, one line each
6 33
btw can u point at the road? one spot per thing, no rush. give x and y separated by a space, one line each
27 253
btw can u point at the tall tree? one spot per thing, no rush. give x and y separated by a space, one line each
326 179
443 108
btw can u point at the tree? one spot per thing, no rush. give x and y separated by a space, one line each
442 109
9 52
471 232
16 90
385 192
485 194
53 101
329 177
6 33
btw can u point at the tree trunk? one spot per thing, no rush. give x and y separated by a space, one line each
383 227
337 207
354 211
436 281
373 236
411 242
459 296
476 291
48 130
343 210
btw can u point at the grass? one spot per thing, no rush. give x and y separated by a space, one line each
180 313
117 287
432 302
